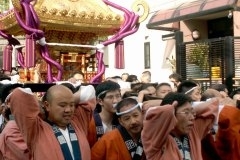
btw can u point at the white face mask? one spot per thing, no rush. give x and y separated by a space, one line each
114 105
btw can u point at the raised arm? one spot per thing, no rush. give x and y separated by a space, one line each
206 115
158 124
25 108
86 103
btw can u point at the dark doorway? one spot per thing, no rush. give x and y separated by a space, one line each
220 27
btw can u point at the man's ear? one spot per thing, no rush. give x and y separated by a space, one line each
100 101
46 105
120 121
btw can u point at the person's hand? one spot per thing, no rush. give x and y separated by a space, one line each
84 94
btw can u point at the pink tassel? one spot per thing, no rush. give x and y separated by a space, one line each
119 55
30 55
7 58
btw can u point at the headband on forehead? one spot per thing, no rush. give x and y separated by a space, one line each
101 93
191 89
129 110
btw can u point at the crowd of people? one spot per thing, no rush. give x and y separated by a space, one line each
121 118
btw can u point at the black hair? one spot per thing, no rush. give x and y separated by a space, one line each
77 72
5 90
185 86
176 76
132 78
236 91
126 102
4 77
219 87
146 73
43 99
125 74
181 99
105 87
162 84
70 86
116 77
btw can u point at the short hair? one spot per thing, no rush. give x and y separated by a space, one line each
126 102
146 73
132 78
125 74
146 85
106 86
176 76
236 91
181 99
70 86
4 77
5 90
219 87
77 72
44 97
116 77
162 84
210 93
185 86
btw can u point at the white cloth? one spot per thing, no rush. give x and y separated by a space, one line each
1 119
74 84
67 138
86 93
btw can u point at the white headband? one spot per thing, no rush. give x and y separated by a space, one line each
101 93
129 110
191 89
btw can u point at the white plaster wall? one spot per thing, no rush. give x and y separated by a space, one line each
134 46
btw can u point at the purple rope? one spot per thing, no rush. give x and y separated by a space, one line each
20 58
101 68
36 32
14 42
129 27
30 27
46 56
4 35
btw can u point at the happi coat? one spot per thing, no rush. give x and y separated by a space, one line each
228 135
12 145
158 144
39 135
92 132
110 146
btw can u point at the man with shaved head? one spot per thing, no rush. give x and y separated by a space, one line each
63 135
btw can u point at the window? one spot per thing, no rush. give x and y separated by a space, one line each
147 55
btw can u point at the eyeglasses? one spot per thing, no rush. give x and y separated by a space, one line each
188 113
111 97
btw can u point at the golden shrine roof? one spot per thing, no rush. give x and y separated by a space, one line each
73 16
